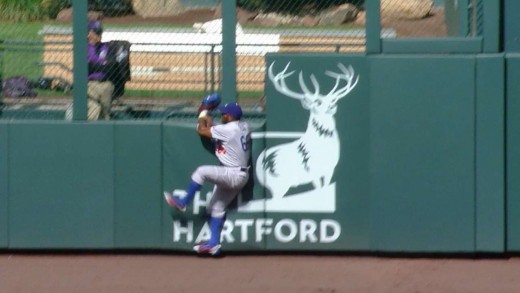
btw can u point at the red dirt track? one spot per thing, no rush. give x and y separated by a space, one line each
251 274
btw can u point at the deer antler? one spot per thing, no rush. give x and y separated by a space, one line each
306 90
346 75
280 84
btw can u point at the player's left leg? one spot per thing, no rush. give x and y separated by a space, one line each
212 246
221 198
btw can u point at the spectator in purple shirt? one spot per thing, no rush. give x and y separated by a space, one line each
100 89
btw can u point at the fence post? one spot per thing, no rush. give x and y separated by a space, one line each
206 72
511 26
212 68
229 61
80 73
373 26
464 16
2 51
491 30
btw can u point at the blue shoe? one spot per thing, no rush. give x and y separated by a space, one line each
174 201
205 248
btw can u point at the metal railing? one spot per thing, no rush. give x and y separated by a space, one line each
60 60
52 103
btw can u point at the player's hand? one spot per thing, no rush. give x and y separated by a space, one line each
209 120
205 119
204 126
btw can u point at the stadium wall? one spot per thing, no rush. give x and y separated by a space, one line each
421 168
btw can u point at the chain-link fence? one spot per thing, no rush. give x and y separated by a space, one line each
432 18
162 57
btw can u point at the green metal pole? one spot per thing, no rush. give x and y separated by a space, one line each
373 26
492 26
229 59
1 65
451 16
80 67
463 11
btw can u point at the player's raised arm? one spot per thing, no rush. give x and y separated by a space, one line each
205 121
204 125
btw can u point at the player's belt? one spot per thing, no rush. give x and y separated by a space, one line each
242 169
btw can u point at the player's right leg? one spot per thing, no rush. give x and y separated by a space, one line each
226 177
174 201
181 203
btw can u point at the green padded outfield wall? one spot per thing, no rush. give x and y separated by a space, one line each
404 154
317 158
82 185
412 146
437 153
490 163
4 186
513 152
138 185
511 29
422 153
61 185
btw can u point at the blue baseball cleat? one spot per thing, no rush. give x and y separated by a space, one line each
206 248
174 201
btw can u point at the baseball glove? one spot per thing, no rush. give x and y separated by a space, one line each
210 102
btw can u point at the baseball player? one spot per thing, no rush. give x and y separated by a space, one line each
232 142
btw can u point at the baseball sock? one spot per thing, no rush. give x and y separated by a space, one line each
215 226
193 187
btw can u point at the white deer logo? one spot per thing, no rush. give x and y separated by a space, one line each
313 157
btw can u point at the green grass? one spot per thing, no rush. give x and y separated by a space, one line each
162 94
22 63
21 59
17 31
138 94
130 94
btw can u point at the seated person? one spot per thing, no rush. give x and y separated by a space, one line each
100 88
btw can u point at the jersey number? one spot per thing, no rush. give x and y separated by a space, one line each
244 142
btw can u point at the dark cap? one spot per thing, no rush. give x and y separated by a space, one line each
95 26
232 109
